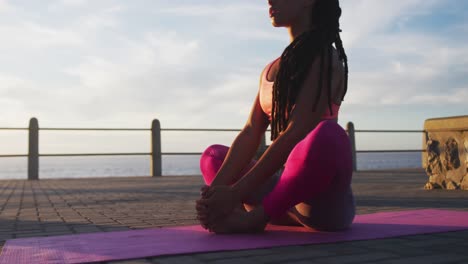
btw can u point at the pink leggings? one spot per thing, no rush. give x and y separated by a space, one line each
317 172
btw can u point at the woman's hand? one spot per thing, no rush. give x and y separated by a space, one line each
216 203
202 212
220 200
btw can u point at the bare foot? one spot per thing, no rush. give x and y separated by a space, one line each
240 221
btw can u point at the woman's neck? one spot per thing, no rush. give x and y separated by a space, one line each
299 26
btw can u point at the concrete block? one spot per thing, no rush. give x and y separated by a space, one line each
446 156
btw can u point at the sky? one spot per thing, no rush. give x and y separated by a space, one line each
196 64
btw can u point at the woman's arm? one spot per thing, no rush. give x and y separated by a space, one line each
239 155
244 147
303 120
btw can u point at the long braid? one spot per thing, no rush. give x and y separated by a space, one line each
330 73
320 82
297 58
344 58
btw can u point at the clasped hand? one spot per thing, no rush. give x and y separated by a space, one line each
215 204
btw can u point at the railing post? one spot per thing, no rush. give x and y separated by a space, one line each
352 139
33 156
156 163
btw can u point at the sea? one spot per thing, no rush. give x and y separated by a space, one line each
127 166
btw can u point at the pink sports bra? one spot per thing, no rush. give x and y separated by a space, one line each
266 96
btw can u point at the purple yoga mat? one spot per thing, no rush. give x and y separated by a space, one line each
122 245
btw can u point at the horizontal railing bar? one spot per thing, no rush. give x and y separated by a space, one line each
95 129
131 129
364 151
201 129
390 131
13 156
14 128
175 153
181 153
220 129
94 154
390 151
118 154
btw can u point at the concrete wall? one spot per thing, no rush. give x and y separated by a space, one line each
446 156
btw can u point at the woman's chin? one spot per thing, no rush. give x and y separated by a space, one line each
276 23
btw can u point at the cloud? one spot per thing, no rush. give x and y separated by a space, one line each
34 36
212 10
4 5
20 99
363 18
391 64
239 21
99 20
73 3
457 96
147 76
23 30
156 51
197 64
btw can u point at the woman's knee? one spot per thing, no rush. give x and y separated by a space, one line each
211 160
215 152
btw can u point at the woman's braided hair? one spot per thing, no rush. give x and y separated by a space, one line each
297 58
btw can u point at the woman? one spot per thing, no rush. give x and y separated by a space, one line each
304 177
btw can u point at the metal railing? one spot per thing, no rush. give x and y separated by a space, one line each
156 154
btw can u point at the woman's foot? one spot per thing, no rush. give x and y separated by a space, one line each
240 221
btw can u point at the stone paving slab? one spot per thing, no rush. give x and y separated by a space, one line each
75 206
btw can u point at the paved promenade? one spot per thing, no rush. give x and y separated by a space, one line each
74 206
